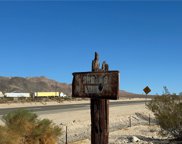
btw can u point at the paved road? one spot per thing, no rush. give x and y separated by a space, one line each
68 107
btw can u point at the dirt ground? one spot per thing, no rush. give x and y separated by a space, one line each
78 123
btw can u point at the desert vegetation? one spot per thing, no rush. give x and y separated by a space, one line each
168 113
30 100
24 127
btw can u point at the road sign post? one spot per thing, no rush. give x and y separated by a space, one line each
146 90
100 85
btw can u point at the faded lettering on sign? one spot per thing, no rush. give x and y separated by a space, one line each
94 84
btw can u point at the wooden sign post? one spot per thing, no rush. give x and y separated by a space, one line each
100 85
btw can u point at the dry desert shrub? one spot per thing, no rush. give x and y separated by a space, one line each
168 113
23 127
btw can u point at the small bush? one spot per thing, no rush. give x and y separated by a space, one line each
23 127
168 112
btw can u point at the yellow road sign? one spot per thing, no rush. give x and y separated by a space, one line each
147 90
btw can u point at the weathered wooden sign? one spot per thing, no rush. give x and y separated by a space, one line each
104 85
100 85
147 90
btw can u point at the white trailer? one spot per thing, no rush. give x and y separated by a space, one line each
17 95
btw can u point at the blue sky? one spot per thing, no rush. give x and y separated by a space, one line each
143 40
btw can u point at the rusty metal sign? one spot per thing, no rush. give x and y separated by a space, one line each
147 90
102 85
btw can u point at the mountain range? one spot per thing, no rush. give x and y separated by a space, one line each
34 84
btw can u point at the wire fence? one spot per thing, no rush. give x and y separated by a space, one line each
70 135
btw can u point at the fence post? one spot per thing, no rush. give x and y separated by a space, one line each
66 135
129 121
149 119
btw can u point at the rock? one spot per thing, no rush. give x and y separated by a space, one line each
135 139
124 141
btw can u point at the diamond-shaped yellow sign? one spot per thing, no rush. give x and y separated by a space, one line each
147 90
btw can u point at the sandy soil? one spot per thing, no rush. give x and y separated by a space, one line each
78 123
146 134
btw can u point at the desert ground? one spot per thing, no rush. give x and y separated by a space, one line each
78 123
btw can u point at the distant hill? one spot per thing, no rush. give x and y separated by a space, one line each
130 95
33 84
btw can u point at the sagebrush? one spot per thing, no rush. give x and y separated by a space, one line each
168 112
24 127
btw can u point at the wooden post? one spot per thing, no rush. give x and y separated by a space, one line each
99 121
99 113
99 85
